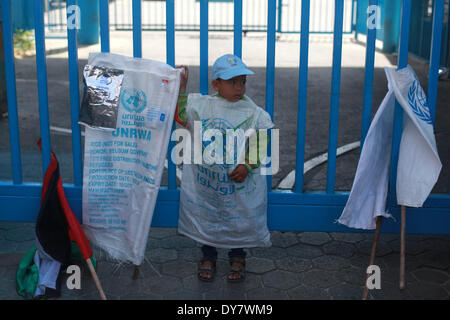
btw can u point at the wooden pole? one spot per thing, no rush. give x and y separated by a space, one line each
372 254
94 276
402 249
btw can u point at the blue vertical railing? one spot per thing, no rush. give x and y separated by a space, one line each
41 66
436 38
335 93
368 79
270 68
280 15
270 59
398 113
302 96
74 100
170 59
237 39
11 92
204 46
137 29
170 32
104 25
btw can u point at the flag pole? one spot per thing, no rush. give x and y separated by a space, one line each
402 249
372 254
94 276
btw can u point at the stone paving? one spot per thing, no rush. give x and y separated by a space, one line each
298 266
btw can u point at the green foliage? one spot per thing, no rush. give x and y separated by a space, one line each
23 43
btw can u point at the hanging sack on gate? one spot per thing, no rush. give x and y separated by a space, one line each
123 168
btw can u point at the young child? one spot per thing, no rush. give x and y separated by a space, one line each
223 205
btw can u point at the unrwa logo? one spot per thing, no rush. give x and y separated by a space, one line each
134 100
212 143
418 102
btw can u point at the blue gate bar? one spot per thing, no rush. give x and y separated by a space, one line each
280 15
435 56
104 25
302 96
11 93
204 46
398 113
170 59
270 68
335 92
238 28
60 5
352 25
170 32
41 68
368 78
137 29
74 99
270 63
50 20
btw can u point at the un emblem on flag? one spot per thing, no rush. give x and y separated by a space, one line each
417 100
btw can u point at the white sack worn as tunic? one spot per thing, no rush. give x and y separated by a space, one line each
215 210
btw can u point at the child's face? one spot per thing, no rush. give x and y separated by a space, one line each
233 89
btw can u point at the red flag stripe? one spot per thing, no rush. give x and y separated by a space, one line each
76 233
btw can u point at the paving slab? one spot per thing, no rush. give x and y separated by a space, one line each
302 272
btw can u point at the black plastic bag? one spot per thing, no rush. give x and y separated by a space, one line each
100 105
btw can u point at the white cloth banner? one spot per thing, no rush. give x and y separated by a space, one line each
48 270
123 168
418 163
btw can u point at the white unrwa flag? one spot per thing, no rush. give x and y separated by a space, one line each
418 164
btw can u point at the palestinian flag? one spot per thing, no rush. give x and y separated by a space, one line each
56 228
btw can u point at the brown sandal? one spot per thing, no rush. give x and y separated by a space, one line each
207 267
237 267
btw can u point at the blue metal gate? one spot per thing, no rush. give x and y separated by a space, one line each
220 12
288 210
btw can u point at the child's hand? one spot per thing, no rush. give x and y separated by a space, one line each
184 78
239 173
